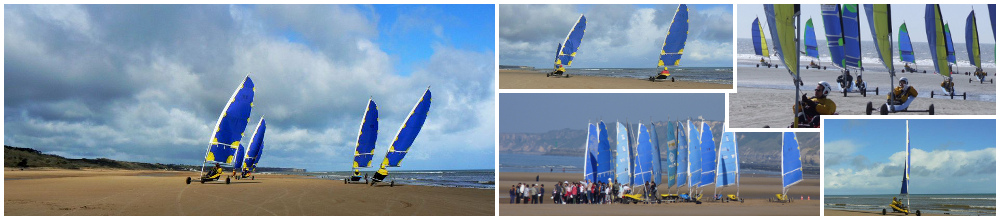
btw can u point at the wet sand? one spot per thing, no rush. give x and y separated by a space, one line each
524 79
755 191
49 192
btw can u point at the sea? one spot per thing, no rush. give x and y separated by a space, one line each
718 75
953 204
477 179
869 56
527 163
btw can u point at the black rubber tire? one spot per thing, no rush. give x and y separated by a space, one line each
918 212
203 181
345 180
227 180
963 96
188 181
883 211
868 109
253 177
931 109
876 90
672 79
864 93
884 110
758 65
392 183
845 92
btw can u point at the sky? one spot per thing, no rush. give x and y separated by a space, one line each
542 112
629 36
912 14
147 83
948 156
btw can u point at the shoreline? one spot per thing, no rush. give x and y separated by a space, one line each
526 79
47 192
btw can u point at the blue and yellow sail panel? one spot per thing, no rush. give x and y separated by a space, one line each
950 45
408 132
590 154
936 39
791 162
729 166
256 146
880 23
672 142
708 162
623 153
972 40
759 39
231 124
238 162
681 154
365 148
852 35
605 161
694 156
572 43
834 33
812 48
673 44
643 157
905 46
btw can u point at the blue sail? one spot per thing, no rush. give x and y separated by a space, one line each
605 161
624 153
905 47
834 33
936 39
408 131
904 190
812 48
950 44
572 42
589 156
993 19
657 163
707 156
694 156
367 134
681 155
672 142
256 147
852 35
673 44
231 124
972 40
759 41
643 157
729 165
238 162
791 163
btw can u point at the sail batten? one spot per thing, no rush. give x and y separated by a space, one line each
673 43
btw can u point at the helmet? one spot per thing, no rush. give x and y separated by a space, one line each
949 79
904 80
826 87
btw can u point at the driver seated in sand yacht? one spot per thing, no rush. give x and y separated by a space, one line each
902 96
947 85
214 173
818 105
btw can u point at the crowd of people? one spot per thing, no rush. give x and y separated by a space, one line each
583 192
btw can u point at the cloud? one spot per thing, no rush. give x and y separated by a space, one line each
146 82
616 35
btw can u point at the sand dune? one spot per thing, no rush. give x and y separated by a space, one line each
119 192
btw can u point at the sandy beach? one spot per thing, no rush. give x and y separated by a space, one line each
765 96
47 192
755 191
524 79
837 212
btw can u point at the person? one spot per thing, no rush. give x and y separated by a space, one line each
380 174
519 193
818 105
653 192
559 69
526 194
901 96
845 80
511 193
215 173
980 74
541 194
948 86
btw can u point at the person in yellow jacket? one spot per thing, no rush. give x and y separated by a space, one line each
818 105
902 96
948 86
214 173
